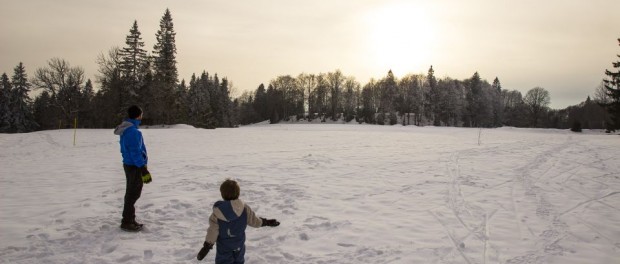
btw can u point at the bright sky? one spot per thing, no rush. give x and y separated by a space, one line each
563 46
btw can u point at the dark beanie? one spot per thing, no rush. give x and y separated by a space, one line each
134 112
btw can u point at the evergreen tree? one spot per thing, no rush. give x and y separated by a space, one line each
5 104
225 104
260 103
147 89
479 109
45 112
589 114
199 101
474 98
112 100
450 102
215 94
247 112
434 105
86 118
274 104
235 112
22 119
613 91
166 76
496 93
133 62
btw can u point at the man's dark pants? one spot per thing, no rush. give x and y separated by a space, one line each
132 192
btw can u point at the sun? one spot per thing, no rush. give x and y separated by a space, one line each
400 37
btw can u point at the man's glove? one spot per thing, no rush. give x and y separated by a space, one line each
146 175
204 250
270 222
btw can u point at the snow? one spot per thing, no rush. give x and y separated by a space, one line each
343 193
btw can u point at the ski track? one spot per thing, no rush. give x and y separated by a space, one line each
343 195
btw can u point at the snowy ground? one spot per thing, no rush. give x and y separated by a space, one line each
344 194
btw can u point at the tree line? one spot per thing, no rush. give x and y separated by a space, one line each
416 99
130 75
127 76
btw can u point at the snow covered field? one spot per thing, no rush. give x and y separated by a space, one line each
343 193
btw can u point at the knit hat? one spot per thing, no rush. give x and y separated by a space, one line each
134 112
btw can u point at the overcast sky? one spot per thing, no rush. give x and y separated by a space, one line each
563 46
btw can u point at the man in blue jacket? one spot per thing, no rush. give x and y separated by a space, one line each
135 160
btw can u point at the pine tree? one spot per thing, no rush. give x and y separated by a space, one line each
132 64
225 104
613 91
497 105
111 101
434 102
275 99
199 101
5 104
474 98
22 120
213 87
166 76
86 118
260 103
45 112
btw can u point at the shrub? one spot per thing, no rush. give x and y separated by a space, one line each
576 126
381 119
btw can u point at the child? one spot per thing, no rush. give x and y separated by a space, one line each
227 226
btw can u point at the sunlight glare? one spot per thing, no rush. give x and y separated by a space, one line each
401 37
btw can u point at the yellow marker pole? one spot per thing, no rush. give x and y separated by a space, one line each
74 130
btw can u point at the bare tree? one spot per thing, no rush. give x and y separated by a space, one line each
63 83
537 99
600 94
411 86
335 81
292 95
307 83
351 98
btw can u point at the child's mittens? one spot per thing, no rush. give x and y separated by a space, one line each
270 222
204 250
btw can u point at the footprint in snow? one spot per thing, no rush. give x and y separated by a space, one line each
107 249
127 258
148 254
